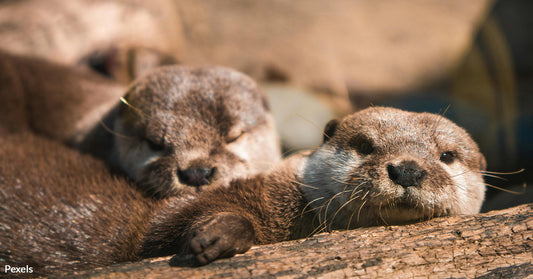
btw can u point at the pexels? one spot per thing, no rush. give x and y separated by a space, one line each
18 269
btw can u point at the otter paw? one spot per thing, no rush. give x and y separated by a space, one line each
223 236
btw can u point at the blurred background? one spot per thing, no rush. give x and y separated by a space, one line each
318 59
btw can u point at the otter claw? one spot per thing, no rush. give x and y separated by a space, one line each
223 236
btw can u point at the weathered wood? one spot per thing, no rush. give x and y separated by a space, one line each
498 244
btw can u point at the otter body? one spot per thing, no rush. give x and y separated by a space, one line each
62 210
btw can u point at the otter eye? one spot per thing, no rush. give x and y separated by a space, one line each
154 146
448 157
363 145
234 137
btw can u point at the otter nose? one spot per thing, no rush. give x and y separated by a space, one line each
406 173
196 176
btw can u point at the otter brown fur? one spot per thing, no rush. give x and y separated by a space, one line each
379 166
61 210
181 128
57 101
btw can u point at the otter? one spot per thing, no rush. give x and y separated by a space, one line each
378 166
176 129
182 129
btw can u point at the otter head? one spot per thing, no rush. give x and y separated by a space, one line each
387 166
184 128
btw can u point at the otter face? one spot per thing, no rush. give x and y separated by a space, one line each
387 166
181 128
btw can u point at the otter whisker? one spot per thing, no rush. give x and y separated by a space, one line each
359 211
503 173
462 173
321 226
381 215
101 122
305 185
350 220
495 176
438 117
340 208
356 192
325 208
313 124
364 196
445 110
345 182
509 191
308 204
329 202
140 112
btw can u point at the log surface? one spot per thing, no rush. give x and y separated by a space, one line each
497 244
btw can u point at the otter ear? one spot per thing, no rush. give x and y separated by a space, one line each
482 163
331 126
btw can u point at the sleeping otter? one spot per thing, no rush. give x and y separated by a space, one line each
181 128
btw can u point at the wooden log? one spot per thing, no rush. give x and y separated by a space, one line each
497 244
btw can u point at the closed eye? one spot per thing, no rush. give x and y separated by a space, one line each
234 138
153 145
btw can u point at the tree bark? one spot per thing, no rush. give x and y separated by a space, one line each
497 244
